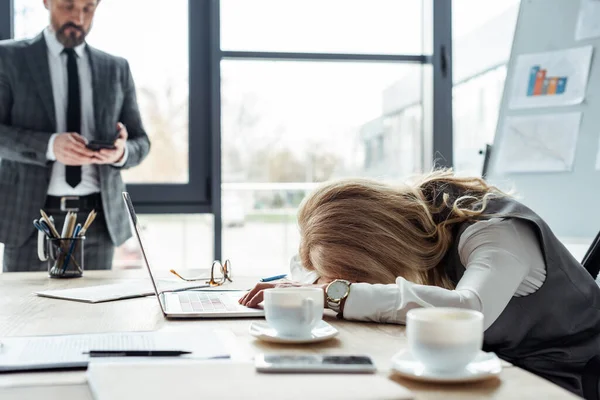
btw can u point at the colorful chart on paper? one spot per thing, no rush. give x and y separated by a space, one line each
550 79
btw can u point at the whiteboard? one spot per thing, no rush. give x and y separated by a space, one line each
568 200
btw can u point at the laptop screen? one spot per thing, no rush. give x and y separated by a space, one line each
136 230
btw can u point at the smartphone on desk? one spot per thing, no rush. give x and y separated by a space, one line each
314 363
97 145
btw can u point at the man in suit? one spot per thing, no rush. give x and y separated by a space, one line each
56 94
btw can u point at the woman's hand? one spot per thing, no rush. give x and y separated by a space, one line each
255 296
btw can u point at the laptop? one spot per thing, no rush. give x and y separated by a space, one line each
192 303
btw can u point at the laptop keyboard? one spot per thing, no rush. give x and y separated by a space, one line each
208 302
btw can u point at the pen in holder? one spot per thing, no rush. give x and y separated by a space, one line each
65 257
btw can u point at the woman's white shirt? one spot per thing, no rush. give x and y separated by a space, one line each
502 258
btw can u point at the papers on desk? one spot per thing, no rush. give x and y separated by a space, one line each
208 380
65 351
115 291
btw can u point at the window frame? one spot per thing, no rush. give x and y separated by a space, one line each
6 19
195 195
437 105
202 194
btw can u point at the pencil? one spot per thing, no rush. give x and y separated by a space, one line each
89 220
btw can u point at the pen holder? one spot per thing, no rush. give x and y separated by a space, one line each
65 257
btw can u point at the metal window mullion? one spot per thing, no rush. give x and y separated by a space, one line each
442 135
6 19
278 56
213 18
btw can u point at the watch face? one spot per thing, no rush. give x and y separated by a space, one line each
337 290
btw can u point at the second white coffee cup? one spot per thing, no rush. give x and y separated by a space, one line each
444 339
293 312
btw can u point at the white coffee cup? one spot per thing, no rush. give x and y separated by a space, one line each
293 312
444 339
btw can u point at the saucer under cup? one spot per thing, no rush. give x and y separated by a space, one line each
322 332
293 312
444 339
484 366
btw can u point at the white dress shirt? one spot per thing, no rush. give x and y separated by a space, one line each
502 257
57 61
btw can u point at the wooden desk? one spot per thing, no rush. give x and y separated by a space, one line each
23 313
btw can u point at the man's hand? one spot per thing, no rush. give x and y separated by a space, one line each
105 156
256 295
69 149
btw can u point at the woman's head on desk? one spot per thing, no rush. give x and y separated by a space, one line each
369 231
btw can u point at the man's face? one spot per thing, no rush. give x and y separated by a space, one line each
71 19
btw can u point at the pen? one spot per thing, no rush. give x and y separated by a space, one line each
41 226
136 353
50 223
71 249
273 278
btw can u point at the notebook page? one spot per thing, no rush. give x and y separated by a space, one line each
115 291
65 351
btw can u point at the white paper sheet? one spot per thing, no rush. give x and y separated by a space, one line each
538 143
588 23
556 78
65 351
226 380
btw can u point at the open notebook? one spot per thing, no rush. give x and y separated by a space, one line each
209 380
115 291
66 351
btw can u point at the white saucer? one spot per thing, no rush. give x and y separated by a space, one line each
485 366
323 331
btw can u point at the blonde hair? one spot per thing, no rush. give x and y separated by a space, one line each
369 231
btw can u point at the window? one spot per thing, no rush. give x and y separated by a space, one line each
288 124
291 121
482 38
331 26
287 110
157 50
159 64
294 112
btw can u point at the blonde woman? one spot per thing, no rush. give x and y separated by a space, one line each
379 250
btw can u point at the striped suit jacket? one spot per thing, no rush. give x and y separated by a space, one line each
27 120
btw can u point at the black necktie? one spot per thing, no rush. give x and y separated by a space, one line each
73 173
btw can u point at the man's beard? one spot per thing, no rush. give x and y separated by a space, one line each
71 40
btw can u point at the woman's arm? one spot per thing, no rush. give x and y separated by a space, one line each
498 257
390 303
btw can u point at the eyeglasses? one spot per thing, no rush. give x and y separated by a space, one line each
219 274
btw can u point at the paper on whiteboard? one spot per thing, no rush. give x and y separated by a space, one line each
540 143
556 78
588 23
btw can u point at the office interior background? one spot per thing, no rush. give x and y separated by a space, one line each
287 123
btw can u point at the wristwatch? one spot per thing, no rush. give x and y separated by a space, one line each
337 292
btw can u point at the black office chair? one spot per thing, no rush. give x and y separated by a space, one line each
591 260
591 374
591 379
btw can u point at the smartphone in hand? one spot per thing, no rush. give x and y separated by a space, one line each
97 145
